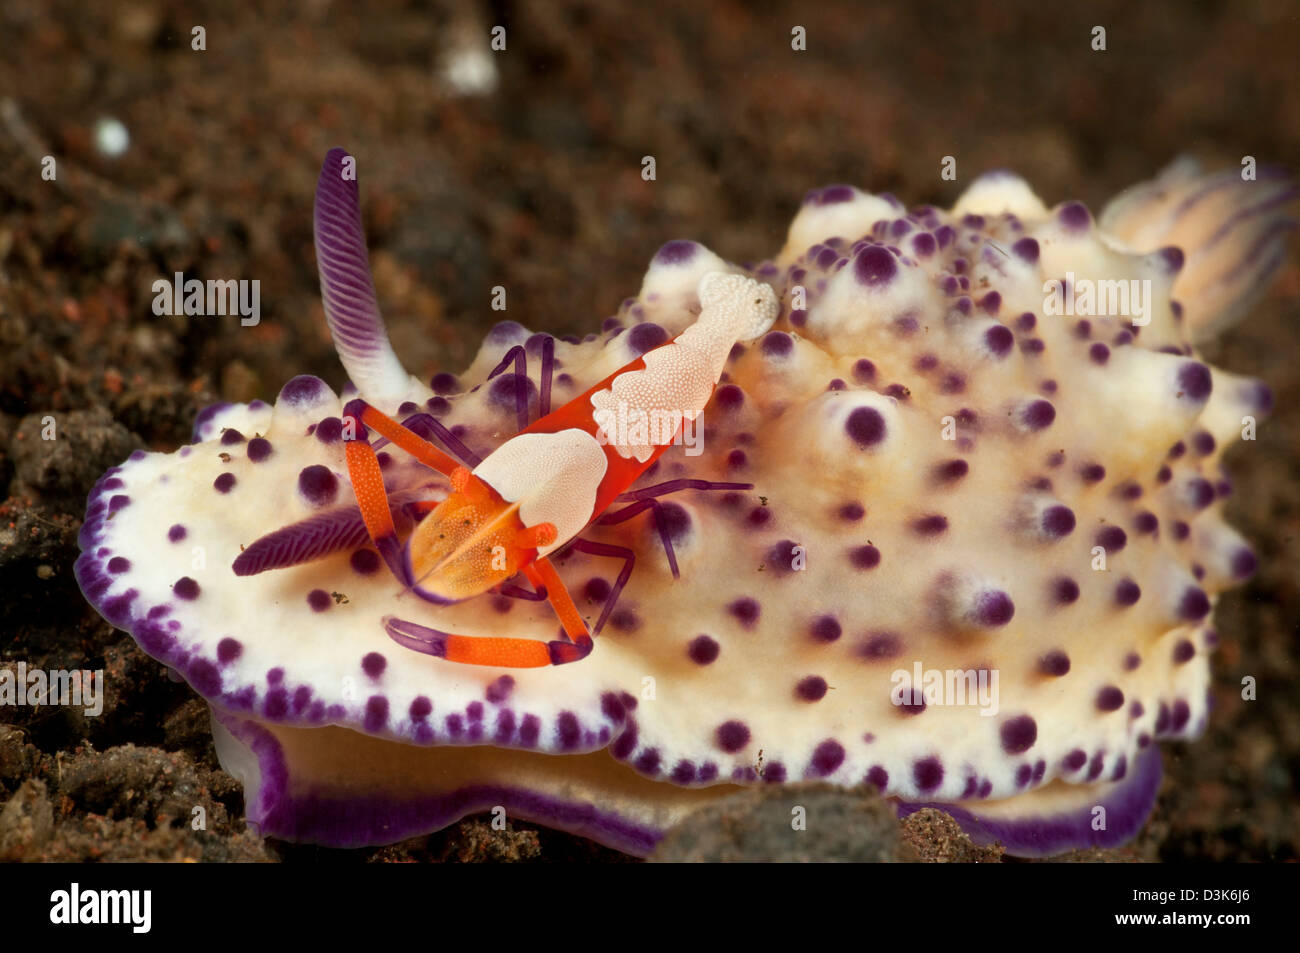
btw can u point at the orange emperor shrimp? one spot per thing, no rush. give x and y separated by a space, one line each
537 491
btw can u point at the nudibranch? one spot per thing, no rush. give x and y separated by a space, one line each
982 454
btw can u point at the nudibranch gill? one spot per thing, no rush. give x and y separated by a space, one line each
975 566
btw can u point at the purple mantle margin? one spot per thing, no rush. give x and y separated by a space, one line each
1127 807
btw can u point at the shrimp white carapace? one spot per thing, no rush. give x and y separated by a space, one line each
542 487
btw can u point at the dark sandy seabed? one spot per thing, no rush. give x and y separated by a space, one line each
537 187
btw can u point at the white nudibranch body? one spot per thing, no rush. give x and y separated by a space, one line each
934 479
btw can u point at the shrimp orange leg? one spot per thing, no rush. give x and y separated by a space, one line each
362 413
368 480
372 498
504 652
592 549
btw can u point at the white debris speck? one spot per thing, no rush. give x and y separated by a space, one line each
111 137
468 70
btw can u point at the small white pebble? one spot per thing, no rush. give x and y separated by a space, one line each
111 137
469 71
